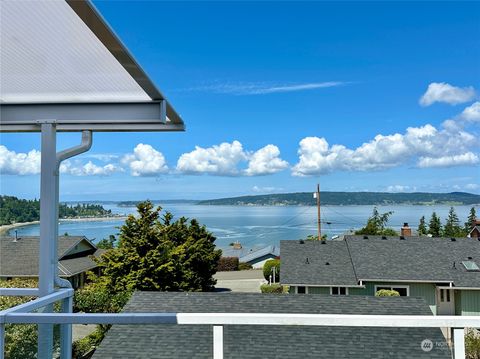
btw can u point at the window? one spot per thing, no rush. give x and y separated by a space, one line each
338 290
301 290
471 266
445 295
403 290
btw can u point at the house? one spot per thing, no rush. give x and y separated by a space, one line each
258 258
19 257
475 232
445 272
261 341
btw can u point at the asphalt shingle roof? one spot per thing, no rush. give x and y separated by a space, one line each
20 258
374 258
306 263
183 341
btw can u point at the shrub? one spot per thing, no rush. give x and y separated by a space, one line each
274 288
387 293
267 269
244 266
472 344
227 264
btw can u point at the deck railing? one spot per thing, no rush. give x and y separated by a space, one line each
22 314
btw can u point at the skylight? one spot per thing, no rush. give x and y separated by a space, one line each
471 266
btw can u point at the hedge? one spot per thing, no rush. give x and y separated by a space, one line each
227 264
274 288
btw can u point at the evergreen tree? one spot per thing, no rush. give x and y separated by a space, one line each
435 226
422 227
376 224
452 227
470 223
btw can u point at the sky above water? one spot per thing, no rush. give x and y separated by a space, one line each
278 96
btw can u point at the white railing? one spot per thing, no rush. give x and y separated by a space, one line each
22 315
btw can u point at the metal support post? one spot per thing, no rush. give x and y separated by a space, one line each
459 343
2 340
217 342
66 331
48 229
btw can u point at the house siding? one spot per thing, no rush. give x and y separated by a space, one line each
423 290
470 302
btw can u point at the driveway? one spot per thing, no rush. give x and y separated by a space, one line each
246 281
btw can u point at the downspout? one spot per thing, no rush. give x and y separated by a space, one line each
84 146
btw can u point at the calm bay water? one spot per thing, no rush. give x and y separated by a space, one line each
256 227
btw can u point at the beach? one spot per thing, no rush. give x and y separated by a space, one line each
8 227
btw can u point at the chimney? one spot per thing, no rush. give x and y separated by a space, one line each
406 231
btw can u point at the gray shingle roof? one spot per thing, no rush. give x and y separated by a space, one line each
269 250
306 263
173 341
411 259
20 258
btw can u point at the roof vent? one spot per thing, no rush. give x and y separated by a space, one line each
327 263
307 261
453 239
384 237
469 258
301 241
365 237
402 238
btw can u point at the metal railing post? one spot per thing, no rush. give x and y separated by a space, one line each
66 331
459 343
217 342
48 229
2 340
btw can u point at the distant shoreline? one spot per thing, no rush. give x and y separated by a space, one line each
8 227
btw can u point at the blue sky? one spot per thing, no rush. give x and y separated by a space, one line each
278 96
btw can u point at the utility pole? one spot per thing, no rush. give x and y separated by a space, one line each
319 225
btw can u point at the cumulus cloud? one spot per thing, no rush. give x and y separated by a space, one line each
145 161
266 161
400 188
12 163
226 158
88 169
464 159
266 189
448 146
472 186
444 92
471 113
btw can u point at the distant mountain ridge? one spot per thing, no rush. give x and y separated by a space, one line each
348 198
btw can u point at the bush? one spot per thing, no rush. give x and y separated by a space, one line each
274 288
227 264
267 269
244 266
472 344
387 293
83 348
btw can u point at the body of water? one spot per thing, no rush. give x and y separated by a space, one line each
256 227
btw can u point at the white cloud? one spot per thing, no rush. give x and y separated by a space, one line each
88 169
400 188
472 186
464 159
266 161
226 158
145 161
427 145
218 160
443 92
471 113
267 189
12 163
258 88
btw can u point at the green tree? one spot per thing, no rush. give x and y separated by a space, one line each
387 293
452 225
107 243
376 224
268 269
470 223
311 237
156 253
422 227
435 225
